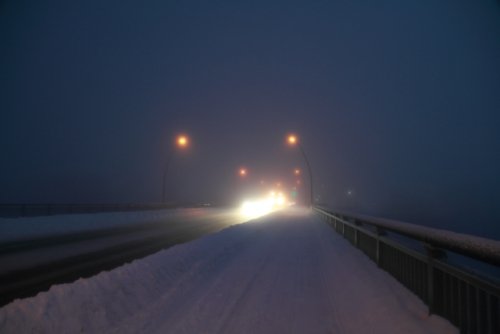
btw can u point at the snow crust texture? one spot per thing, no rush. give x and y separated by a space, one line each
284 273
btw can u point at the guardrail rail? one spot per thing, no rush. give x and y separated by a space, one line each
467 299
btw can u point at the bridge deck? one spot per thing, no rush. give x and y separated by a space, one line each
285 273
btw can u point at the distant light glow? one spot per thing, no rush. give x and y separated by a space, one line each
252 209
280 201
292 139
243 171
255 209
182 141
296 171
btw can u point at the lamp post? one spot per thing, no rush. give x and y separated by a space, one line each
181 142
293 140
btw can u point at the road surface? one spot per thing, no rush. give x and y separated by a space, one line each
284 273
37 252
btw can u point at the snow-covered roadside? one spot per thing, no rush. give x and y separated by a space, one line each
284 273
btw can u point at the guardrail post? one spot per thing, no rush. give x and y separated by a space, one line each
356 238
380 232
356 235
433 254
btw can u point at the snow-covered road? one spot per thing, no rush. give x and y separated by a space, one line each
284 273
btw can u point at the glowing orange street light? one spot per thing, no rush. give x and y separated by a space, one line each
243 172
182 142
292 139
296 171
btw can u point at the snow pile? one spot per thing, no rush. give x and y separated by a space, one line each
284 273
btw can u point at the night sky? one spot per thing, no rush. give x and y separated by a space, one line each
396 103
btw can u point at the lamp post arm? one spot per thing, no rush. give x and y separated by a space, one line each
310 174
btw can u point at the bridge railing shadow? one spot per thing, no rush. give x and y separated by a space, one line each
432 263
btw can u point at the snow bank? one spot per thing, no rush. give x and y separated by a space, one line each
285 273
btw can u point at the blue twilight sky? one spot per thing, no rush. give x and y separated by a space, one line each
396 102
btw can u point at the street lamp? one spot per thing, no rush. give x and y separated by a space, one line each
243 172
293 140
181 142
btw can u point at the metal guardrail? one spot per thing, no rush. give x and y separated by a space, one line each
469 301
